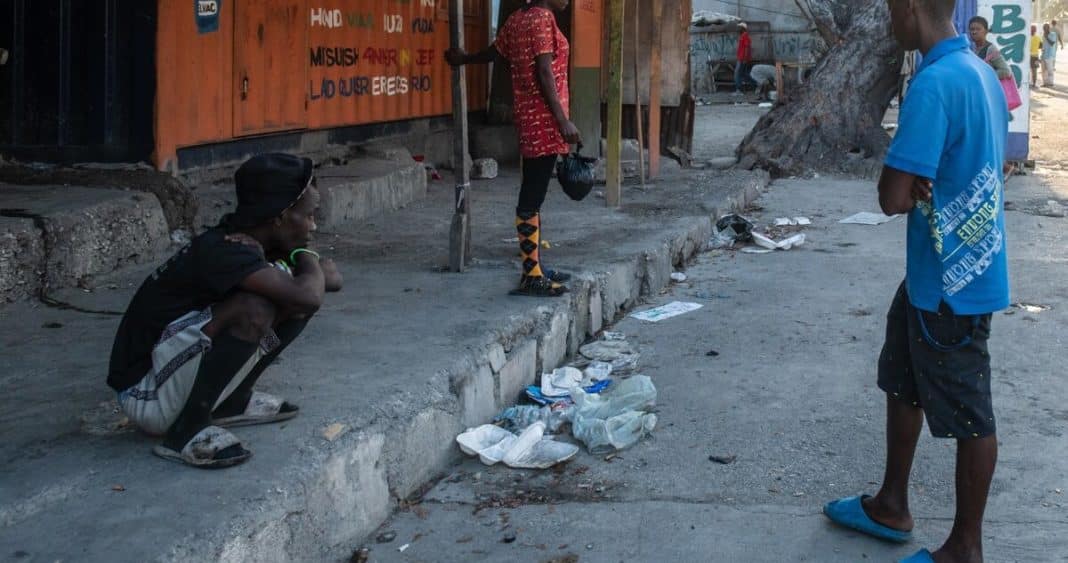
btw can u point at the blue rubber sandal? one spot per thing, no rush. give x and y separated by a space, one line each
921 556
849 513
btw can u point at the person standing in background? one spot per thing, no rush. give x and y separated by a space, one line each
537 53
1036 55
978 29
745 58
1049 54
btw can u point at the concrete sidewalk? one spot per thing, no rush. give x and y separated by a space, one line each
404 358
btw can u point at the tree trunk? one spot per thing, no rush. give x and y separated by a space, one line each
834 121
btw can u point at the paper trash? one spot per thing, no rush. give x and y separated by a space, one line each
597 371
788 221
560 381
785 244
673 309
868 218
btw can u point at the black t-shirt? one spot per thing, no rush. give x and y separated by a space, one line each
204 272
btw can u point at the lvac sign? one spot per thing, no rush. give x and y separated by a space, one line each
1010 30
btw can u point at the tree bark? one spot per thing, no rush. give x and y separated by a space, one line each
834 121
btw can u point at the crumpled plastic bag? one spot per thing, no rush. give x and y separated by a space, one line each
615 419
636 393
619 353
619 432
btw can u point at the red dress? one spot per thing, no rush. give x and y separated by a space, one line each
527 34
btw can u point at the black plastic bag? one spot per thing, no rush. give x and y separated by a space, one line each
731 228
576 175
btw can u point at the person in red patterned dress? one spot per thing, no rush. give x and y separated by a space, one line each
537 52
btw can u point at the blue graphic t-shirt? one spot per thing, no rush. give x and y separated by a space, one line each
952 130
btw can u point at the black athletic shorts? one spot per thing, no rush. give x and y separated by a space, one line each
939 362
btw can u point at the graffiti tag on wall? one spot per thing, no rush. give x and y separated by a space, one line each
385 65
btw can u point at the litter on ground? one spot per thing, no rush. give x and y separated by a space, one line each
784 244
1031 308
868 218
619 353
673 309
616 419
730 229
603 414
560 381
792 221
598 370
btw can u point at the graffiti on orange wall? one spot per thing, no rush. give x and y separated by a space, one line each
327 63
367 63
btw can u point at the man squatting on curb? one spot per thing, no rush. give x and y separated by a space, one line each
204 326
945 168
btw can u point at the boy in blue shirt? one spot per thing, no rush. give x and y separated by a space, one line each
945 169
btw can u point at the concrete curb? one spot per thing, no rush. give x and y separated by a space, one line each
353 485
60 236
378 182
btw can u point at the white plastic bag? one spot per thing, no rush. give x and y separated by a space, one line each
614 420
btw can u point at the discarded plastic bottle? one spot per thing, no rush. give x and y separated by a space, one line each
519 417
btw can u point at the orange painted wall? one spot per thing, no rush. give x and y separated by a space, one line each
587 40
381 60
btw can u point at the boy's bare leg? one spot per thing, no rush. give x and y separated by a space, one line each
890 506
976 459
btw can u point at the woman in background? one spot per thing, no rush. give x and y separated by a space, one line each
978 28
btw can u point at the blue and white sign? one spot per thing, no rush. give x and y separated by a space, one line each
1010 30
207 14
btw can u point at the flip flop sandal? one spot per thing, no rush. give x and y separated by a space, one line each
540 286
849 512
263 408
921 556
211 448
556 275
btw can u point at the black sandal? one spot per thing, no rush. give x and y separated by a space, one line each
556 275
539 286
